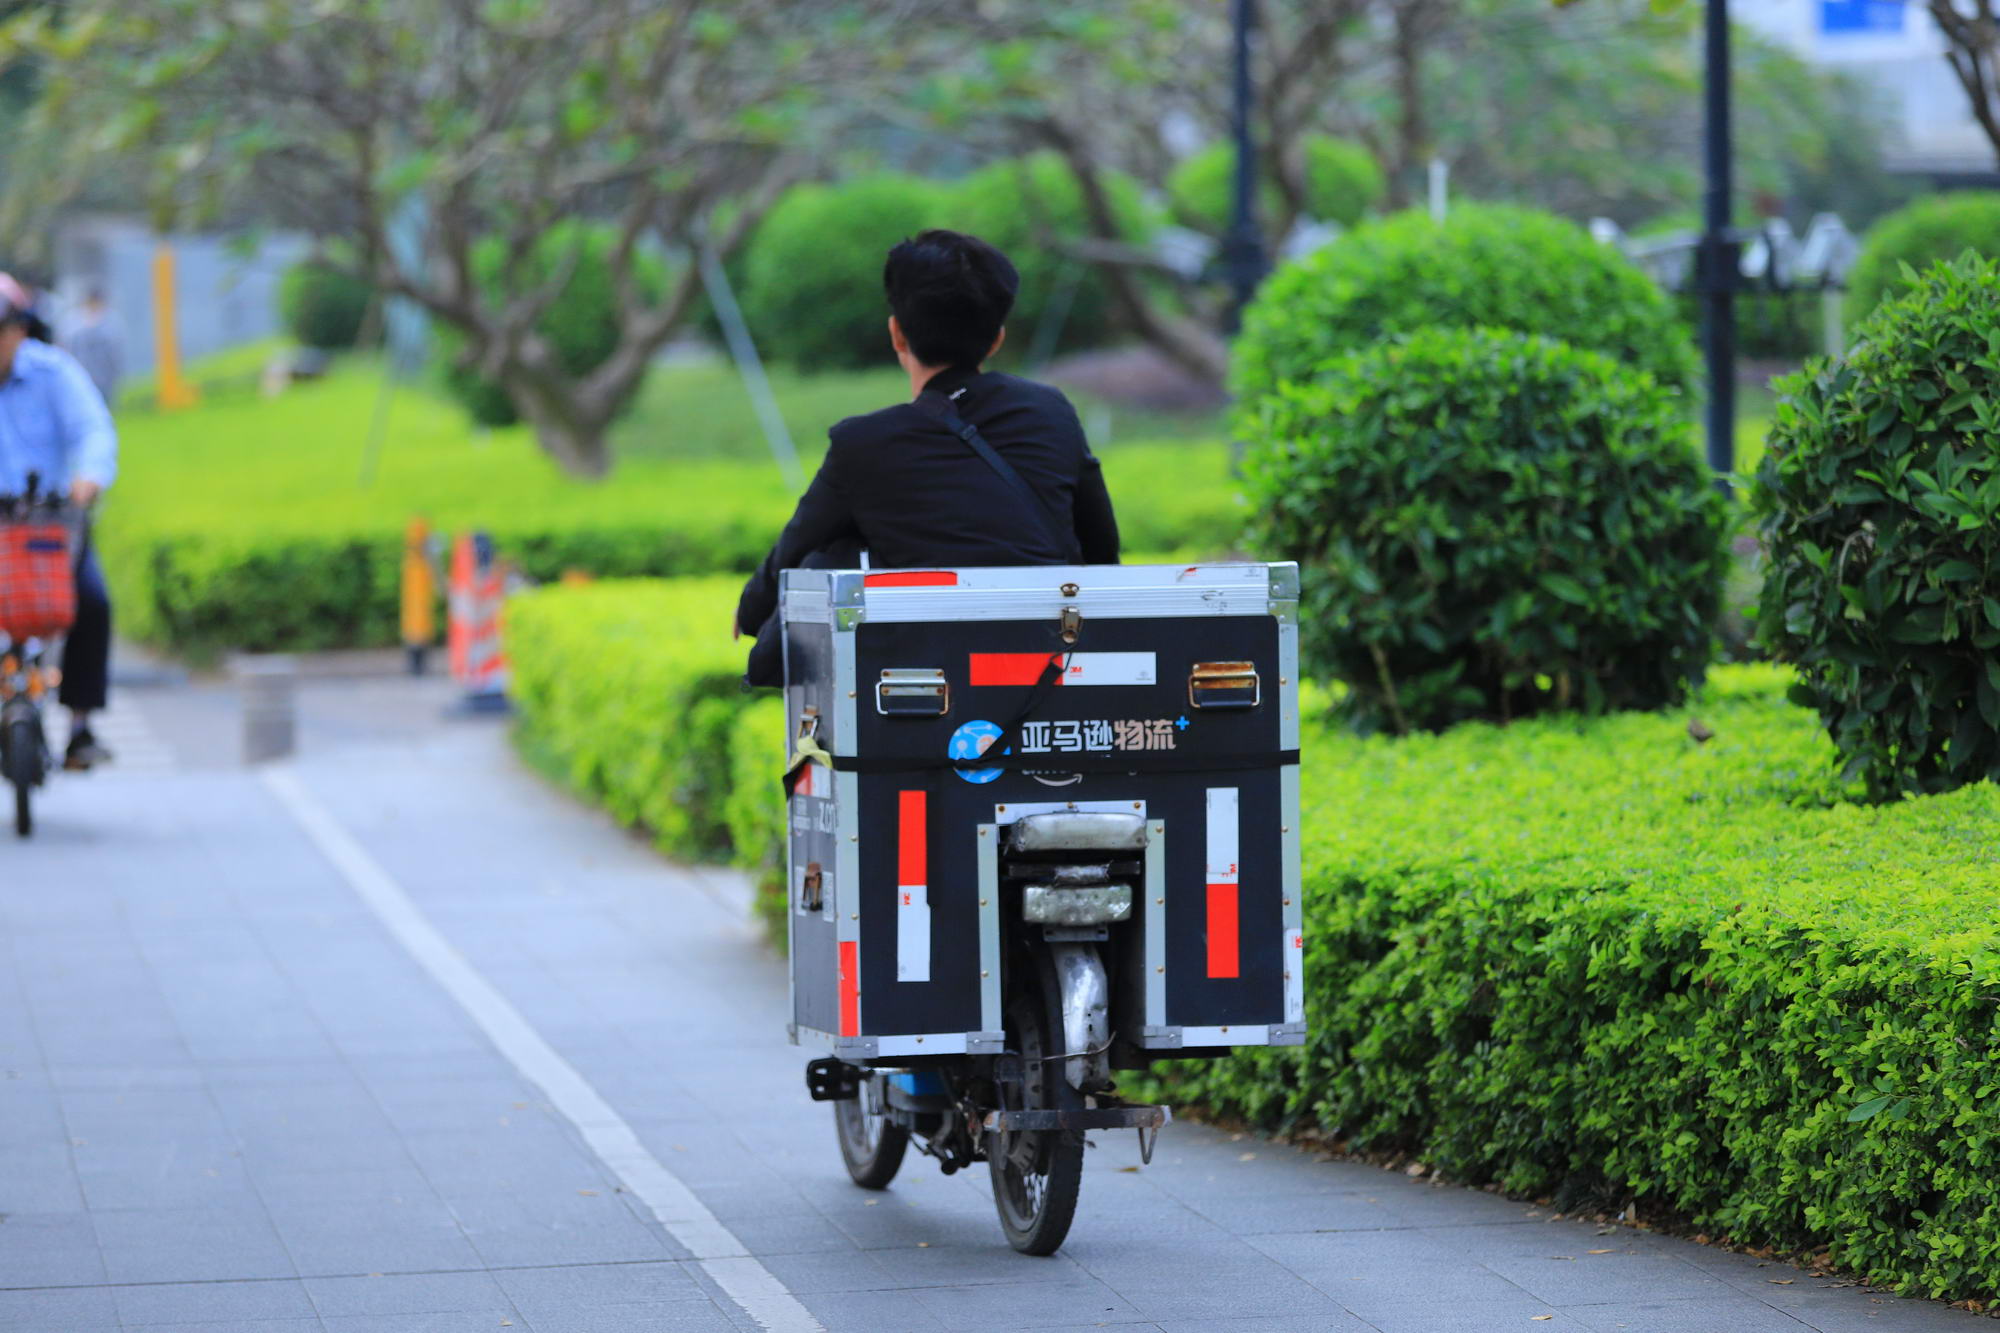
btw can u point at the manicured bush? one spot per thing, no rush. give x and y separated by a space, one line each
581 324
323 307
1028 206
812 276
1604 963
1343 183
1935 227
1489 525
1485 265
754 809
628 691
1879 505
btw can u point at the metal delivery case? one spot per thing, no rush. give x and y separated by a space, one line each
1178 699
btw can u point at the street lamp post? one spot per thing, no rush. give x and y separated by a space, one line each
1243 246
1717 266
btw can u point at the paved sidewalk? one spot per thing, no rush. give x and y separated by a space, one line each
230 1099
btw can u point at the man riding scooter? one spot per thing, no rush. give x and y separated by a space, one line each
54 424
902 485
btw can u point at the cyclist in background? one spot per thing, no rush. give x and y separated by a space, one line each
53 422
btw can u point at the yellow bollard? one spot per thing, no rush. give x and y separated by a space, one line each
175 392
419 595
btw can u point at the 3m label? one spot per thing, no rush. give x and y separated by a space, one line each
1083 669
913 903
1224 911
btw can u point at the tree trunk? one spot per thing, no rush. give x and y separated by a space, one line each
1188 345
571 430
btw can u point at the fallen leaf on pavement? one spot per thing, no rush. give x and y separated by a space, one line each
1600 1251
1781 1281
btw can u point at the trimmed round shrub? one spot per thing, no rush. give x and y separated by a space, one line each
812 272
1938 226
1879 505
1343 182
1489 524
581 323
1020 205
323 307
1485 265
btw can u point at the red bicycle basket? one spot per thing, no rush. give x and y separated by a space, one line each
37 580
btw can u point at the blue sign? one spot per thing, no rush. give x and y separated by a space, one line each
969 742
1861 18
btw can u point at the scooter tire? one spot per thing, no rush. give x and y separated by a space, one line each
1037 1206
871 1144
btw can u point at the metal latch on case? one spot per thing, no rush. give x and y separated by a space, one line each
1224 685
912 692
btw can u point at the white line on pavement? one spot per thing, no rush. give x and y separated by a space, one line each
721 1255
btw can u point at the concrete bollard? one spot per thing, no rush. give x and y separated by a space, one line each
267 686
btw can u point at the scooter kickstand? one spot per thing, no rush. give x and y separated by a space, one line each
1147 1138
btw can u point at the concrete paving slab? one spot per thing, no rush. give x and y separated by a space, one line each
198 1302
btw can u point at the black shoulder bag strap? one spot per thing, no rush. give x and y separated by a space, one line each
939 408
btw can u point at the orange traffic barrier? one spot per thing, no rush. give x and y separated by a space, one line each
472 637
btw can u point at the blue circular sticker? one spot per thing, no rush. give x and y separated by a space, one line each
969 742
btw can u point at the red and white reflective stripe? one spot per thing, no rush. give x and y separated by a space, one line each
1224 913
912 578
809 783
1083 669
850 988
913 901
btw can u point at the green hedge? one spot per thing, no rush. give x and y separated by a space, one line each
1603 962
1595 960
628 691
259 524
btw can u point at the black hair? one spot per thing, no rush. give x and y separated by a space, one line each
951 294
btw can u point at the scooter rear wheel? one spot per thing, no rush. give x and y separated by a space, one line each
1036 1173
21 757
870 1143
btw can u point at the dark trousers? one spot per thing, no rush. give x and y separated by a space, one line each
86 657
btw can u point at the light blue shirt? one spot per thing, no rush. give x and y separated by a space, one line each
53 422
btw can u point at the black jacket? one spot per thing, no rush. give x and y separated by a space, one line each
901 486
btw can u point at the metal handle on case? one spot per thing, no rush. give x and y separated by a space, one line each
1224 685
912 692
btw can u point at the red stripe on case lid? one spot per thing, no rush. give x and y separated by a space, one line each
912 578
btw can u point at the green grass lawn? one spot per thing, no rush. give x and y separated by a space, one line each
276 522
